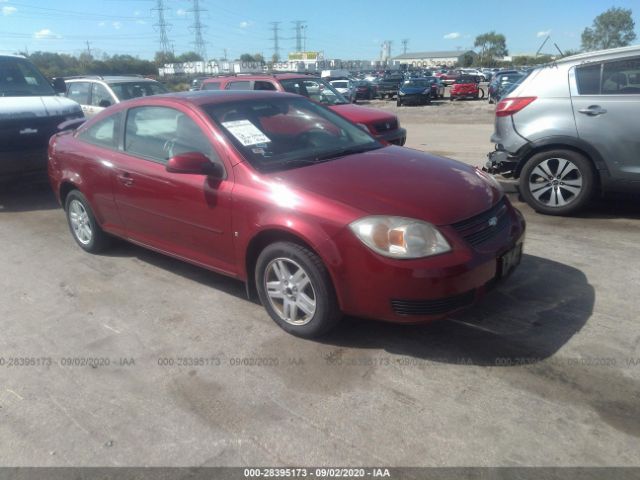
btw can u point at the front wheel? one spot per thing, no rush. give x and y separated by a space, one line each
296 290
398 103
557 182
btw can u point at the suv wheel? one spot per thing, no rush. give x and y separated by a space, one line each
296 289
557 182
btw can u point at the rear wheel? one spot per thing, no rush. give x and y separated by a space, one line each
296 290
557 182
83 225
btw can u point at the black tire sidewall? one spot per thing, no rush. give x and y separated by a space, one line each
583 165
327 311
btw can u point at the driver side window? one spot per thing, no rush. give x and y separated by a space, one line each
159 133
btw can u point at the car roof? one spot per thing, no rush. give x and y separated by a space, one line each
260 76
601 54
205 97
9 55
110 78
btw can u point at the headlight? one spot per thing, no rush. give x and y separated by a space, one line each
400 237
401 92
427 90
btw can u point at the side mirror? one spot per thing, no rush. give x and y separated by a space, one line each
194 163
104 103
59 86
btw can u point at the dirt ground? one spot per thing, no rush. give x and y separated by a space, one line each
459 129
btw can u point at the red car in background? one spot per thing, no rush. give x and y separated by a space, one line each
306 208
382 125
466 87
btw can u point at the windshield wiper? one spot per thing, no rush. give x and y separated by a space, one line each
343 152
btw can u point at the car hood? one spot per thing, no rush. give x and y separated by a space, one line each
29 107
398 181
358 114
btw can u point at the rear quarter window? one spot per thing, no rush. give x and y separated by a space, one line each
211 86
103 133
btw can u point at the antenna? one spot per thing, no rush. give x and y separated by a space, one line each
197 28
162 26
276 39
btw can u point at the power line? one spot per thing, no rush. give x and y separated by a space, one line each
276 40
197 27
162 27
299 27
405 42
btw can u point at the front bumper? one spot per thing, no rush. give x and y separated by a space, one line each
417 98
394 137
422 290
23 163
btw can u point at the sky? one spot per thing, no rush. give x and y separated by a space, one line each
345 29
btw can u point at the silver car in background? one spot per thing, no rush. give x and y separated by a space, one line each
571 128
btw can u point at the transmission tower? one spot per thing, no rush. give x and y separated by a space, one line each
276 40
405 42
197 28
299 28
162 26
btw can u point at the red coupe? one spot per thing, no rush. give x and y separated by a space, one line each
308 209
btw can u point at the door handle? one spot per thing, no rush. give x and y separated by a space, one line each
593 110
125 179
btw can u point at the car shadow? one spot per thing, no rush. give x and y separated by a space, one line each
609 206
25 196
524 320
123 249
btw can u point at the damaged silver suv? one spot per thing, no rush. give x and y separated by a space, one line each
572 128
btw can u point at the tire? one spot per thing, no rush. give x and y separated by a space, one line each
320 311
398 103
557 182
83 225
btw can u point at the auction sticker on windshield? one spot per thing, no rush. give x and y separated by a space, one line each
246 132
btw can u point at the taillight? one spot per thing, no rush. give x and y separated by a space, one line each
509 106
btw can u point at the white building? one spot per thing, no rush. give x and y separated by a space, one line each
429 59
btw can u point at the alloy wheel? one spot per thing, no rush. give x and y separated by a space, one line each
290 291
80 222
555 182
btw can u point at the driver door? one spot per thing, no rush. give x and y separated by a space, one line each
186 215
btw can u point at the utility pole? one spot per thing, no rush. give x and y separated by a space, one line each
225 54
162 26
299 27
88 48
304 37
276 40
405 42
197 27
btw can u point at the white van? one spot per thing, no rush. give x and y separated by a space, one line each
30 112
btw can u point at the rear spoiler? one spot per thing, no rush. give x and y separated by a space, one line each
71 124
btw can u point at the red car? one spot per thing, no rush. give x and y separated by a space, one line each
308 209
382 125
466 87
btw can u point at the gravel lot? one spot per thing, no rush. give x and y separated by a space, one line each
545 371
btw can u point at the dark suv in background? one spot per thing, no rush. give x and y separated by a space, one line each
30 112
571 128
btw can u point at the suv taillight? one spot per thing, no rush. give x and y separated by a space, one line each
509 106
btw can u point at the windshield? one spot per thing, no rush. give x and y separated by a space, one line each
340 84
128 90
465 80
19 78
417 83
274 134
314 88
